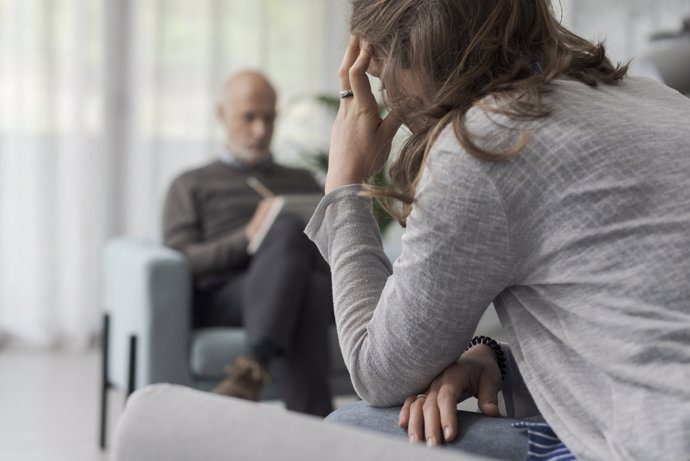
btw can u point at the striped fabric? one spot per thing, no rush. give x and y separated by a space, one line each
544 444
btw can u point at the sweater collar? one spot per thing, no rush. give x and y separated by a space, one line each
227 157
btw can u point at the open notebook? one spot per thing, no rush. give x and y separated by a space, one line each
299 205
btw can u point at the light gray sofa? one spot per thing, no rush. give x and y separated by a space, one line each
148 334
174 423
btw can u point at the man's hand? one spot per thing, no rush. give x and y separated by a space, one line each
428 417
259 215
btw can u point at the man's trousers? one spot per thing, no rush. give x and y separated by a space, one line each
283 299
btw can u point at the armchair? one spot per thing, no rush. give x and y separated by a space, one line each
147 330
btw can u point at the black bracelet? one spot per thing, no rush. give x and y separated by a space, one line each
500 357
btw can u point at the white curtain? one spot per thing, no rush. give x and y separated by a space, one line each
50 125
102 102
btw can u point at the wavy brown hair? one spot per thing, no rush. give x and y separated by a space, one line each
459 52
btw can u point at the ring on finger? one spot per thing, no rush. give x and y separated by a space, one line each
346 94
420 396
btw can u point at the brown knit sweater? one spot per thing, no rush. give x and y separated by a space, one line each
207 209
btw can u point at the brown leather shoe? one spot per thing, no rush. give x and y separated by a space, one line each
245 379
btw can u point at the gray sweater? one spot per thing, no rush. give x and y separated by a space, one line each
582 242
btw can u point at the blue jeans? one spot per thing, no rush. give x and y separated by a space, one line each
478 434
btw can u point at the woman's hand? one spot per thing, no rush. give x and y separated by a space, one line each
475 373
360 138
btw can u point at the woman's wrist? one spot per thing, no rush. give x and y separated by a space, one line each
485 346
340 179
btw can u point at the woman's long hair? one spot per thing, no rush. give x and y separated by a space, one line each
459 52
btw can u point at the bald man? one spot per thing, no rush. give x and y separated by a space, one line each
281 294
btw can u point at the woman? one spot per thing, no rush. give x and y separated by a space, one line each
537 176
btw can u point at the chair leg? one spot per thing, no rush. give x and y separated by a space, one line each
132 372
105 385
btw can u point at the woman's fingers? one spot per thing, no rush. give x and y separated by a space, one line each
487 394
360 139
433 416
415 425
447 406
359 82
349 59
432 420
423 419
404 417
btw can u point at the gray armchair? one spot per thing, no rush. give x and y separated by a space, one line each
147 331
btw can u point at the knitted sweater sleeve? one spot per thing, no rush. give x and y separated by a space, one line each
182 231
400 326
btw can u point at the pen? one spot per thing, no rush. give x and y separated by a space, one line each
260 189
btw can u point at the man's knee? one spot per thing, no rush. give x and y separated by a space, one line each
286 232
287 225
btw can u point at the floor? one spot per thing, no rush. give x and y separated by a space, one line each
49 406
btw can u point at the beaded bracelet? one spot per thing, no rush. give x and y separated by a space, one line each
500 357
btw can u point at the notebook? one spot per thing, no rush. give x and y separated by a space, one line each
299 205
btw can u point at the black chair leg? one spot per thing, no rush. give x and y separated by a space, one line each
105 385
132 372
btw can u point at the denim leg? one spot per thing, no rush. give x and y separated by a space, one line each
478 434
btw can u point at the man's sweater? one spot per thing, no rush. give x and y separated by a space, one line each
207 209
582 241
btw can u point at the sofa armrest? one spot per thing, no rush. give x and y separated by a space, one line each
176 423
147 293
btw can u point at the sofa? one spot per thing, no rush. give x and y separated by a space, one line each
175 423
